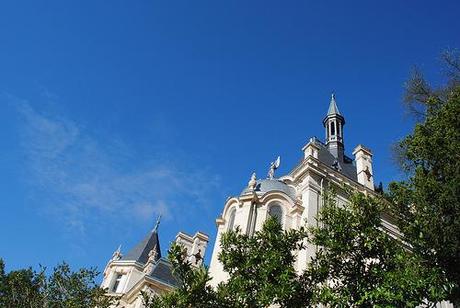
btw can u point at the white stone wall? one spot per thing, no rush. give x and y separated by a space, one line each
300 212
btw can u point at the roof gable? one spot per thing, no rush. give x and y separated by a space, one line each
140 252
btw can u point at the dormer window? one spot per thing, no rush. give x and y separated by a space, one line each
117 286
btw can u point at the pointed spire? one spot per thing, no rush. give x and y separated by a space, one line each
334 122
333 109
157 224
140 252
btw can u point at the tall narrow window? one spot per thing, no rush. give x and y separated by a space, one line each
277 212
231 220
116 283
332 128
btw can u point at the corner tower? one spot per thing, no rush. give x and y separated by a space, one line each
333 123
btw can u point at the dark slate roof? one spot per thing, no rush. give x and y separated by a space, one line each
162 271
266 185
333 109
345 167
140 252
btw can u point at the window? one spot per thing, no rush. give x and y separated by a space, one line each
116 283
277 212
231 220
332 128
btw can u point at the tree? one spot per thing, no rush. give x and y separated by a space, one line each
63 288
358 264
418 91
193 290
261 269
21 288
427 204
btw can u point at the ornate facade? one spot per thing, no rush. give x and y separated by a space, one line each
295 198
144 269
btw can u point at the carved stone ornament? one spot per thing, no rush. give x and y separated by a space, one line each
252 182
368 173
117 254
153 254
273 166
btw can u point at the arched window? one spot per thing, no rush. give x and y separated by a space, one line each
276 211
231 220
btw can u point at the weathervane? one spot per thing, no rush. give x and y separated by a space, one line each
157 224
273 166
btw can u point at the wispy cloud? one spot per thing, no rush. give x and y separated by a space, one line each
87 180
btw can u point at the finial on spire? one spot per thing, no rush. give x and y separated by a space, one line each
333 109
157 224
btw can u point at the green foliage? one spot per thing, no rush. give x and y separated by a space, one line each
261 267
261 271
427 204
359 265
193 290
63 288
21 288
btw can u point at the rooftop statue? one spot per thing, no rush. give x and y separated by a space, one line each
273 166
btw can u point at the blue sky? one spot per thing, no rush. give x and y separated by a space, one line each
113 112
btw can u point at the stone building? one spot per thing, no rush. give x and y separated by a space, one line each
295 198
144 269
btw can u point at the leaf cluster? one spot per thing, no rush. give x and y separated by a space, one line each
427 204
193 289
63 288
261 267
358 262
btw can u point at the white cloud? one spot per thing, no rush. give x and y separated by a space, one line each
85 183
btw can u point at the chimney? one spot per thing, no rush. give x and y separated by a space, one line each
363 159
311 148
196 246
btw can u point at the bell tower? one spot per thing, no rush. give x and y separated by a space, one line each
333 123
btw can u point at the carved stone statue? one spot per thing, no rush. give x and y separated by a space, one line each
273 166
117 254
252 182
153 254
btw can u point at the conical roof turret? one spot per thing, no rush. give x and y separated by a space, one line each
333 109
140 252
